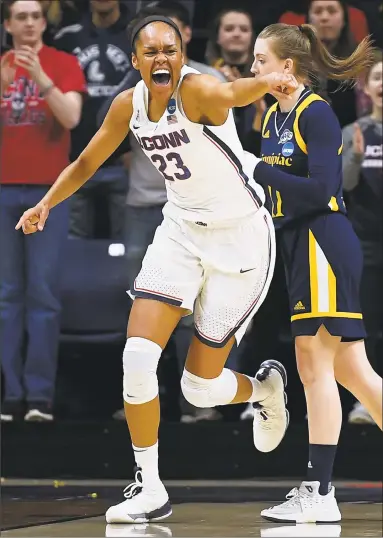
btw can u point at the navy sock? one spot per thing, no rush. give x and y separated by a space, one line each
320 466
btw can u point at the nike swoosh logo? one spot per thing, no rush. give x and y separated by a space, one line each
136 126
246 270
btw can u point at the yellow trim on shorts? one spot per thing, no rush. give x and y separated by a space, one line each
310 315
323 286
313 273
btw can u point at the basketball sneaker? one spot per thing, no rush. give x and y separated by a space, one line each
141 505
271 417
305 505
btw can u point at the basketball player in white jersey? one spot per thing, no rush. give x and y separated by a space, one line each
213 254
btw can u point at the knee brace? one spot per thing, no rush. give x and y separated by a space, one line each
140 361
202 392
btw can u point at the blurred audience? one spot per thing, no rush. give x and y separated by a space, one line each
331 19
60 13
357 18
230 50
362 182
102 46
41 100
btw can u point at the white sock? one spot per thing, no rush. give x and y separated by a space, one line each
147 459
261 390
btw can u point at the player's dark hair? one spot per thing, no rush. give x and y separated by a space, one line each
312 59
140 22
7 8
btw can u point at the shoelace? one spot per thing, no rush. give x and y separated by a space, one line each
135 487
293 499
265 417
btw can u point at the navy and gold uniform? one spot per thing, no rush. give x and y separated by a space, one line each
321 253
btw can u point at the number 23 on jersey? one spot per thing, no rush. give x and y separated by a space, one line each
175 158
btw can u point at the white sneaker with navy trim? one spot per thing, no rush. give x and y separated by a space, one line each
305 505
141 505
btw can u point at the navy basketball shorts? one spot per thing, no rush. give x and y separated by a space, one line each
323 264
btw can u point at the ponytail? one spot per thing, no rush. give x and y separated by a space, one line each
332 67
311 57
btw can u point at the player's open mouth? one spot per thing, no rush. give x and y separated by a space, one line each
161 77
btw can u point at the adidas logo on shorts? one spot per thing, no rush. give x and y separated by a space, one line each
299 306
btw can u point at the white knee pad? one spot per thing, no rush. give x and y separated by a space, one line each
140 361
202 392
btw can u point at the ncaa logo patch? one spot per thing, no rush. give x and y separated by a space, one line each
288 149
285 136
172 106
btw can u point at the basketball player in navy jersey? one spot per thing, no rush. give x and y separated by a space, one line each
200 258
301 172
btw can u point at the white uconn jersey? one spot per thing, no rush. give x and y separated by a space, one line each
204 167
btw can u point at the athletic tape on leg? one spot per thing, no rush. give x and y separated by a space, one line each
202 392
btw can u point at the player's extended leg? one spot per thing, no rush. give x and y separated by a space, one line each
150 326
355 373
164 291
314 501
206 383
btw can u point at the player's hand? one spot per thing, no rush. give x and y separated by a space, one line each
281 85
33 220
358 140
7 70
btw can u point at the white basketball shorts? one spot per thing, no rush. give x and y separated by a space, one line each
220 272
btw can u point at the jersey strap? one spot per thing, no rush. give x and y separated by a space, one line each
272 109
304 104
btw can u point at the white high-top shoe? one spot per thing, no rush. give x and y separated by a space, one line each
141 505
271 417
305 505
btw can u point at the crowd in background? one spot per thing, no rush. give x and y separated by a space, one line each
54 98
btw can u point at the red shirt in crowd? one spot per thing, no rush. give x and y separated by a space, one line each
358 21
34 145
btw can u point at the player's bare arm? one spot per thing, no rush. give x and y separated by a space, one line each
107 139
206 98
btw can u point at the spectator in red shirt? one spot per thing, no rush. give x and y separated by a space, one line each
41 100
358 21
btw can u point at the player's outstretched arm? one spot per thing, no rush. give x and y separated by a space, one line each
107 139
209 93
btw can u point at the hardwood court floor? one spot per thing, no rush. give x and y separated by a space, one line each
215 519
70 509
